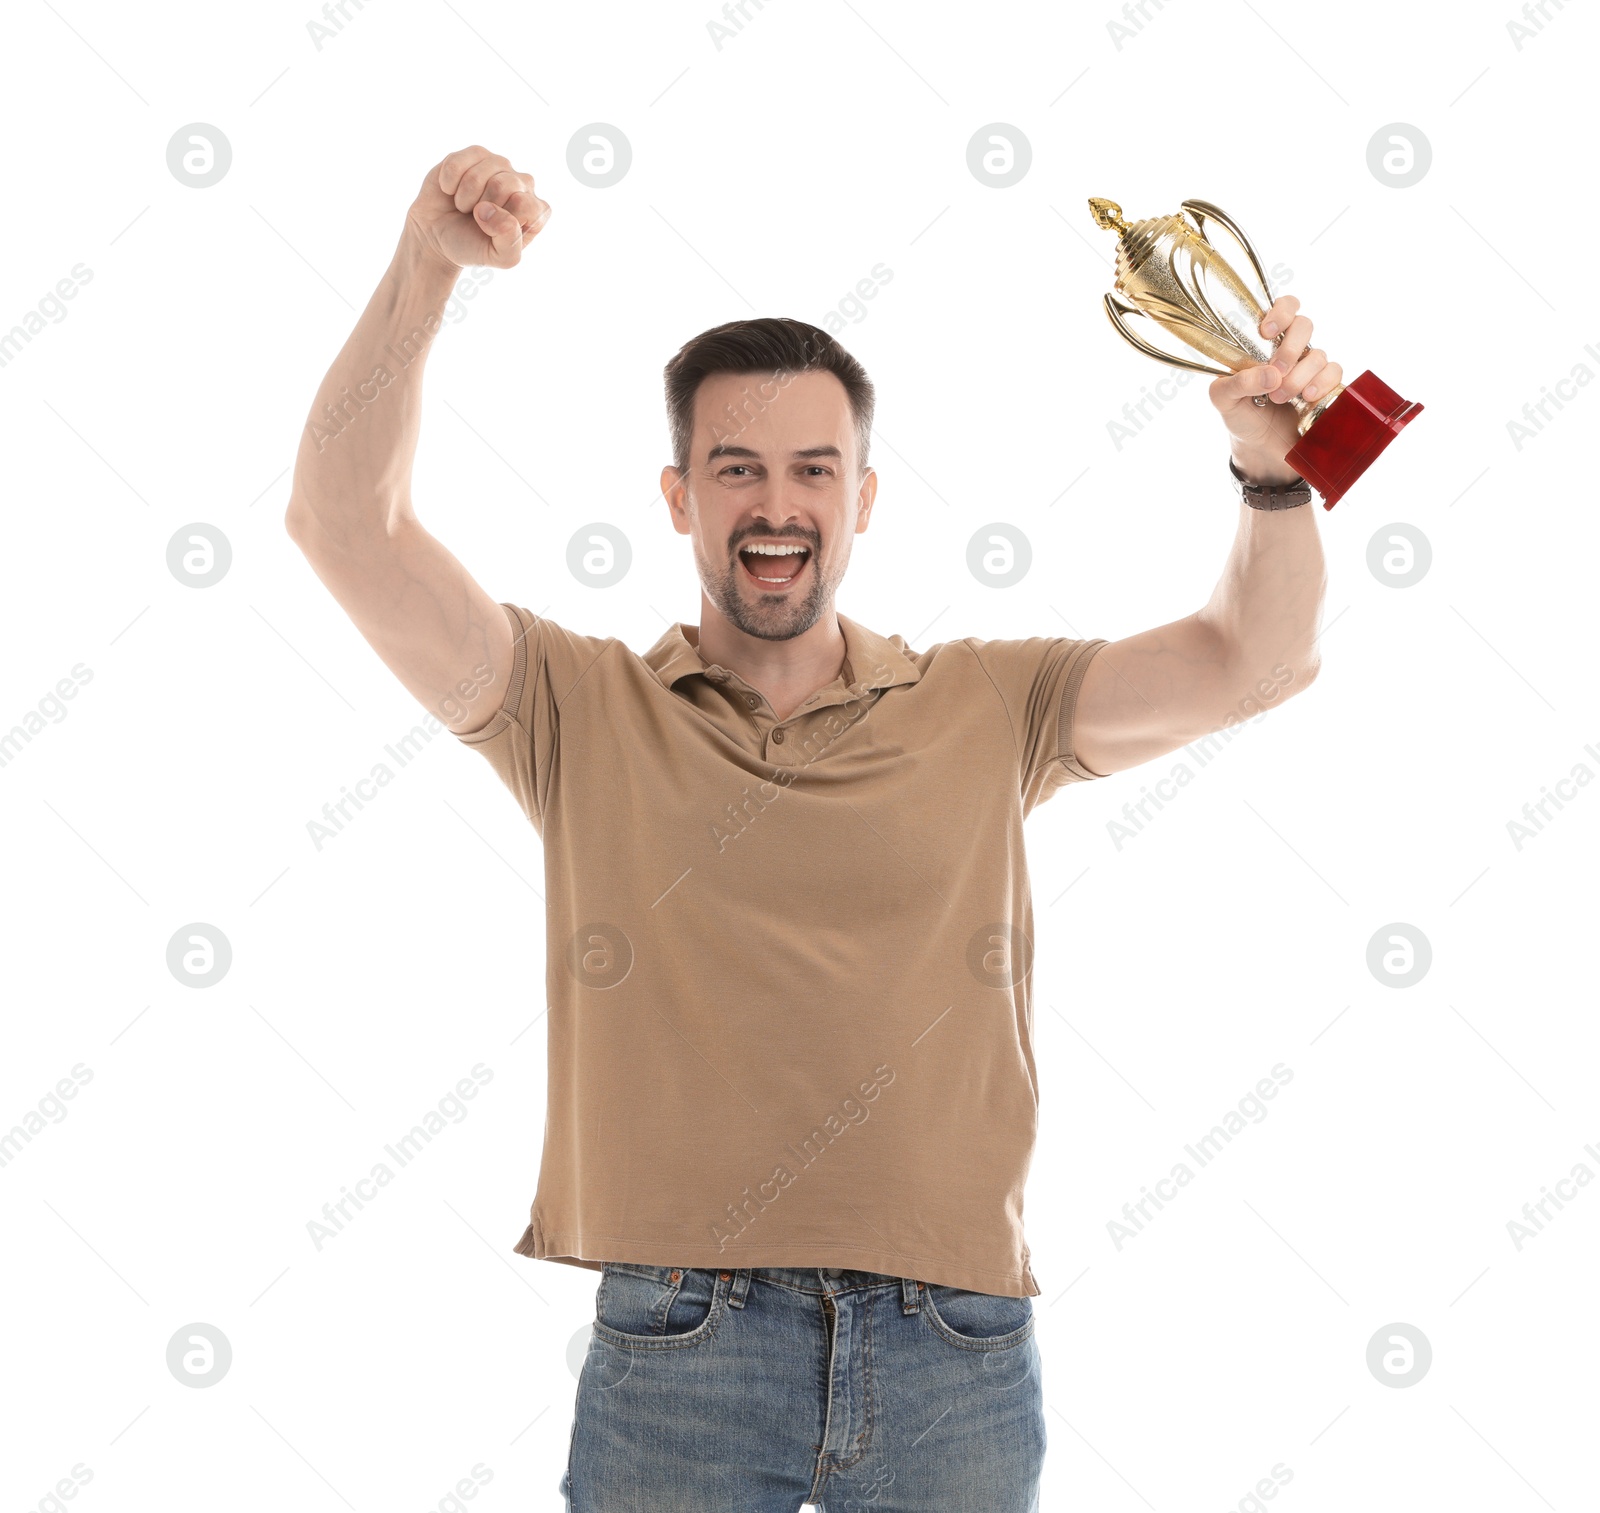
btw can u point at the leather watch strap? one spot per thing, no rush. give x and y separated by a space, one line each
1280 496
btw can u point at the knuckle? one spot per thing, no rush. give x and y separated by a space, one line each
526 209
462 156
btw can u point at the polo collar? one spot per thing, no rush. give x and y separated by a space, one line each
875 661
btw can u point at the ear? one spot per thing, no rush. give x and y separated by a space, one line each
869 492
674 489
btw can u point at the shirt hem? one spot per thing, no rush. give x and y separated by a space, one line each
571 1249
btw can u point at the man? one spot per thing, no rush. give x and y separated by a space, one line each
792 1089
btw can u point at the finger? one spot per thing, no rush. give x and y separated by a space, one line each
501 185
476 179
456 164
503 229
1278 317
1292 344
1292 382
531 212
1325 382
1245 384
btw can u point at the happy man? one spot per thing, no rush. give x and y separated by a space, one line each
789 933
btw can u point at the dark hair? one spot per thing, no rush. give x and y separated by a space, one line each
770 345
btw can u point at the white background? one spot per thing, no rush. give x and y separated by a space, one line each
768 176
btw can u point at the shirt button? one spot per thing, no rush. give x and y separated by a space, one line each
752 700
777 736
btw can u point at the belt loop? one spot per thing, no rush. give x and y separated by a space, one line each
910 1295
741 1285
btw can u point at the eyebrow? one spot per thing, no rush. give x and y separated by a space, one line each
801 454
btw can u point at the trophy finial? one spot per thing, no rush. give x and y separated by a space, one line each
1108 216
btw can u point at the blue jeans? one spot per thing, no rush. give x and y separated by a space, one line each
759 1391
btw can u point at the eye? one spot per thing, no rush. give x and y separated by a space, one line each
817 467
732 466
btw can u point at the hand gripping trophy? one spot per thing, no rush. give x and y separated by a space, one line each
1169 272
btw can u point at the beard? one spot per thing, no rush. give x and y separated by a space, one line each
767 616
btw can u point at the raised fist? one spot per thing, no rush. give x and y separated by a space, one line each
474 209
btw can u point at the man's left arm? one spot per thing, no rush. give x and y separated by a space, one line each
1253 645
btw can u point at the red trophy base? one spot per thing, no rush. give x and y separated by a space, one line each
1349 435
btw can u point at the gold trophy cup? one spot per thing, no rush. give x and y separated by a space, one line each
1169 272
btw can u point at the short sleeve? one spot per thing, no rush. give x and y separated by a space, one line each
522 740
1038 680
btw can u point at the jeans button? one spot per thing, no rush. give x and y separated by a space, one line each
833 1271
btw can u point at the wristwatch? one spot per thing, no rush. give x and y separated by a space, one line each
1280 496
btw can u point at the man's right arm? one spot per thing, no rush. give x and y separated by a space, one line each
350 510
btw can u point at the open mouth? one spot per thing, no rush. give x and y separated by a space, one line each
774 564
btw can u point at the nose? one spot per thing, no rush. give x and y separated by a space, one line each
778 520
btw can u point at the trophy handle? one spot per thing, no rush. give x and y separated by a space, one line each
1201 210
1117 307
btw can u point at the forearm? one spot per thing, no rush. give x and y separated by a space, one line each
1267 604
353 469
1254 643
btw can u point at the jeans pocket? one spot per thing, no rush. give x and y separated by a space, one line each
977 1320
656 1307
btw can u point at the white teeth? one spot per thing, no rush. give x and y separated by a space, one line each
777 549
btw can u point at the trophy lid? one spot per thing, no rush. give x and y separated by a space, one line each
1135 239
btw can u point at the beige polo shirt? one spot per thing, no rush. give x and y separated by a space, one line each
788 963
